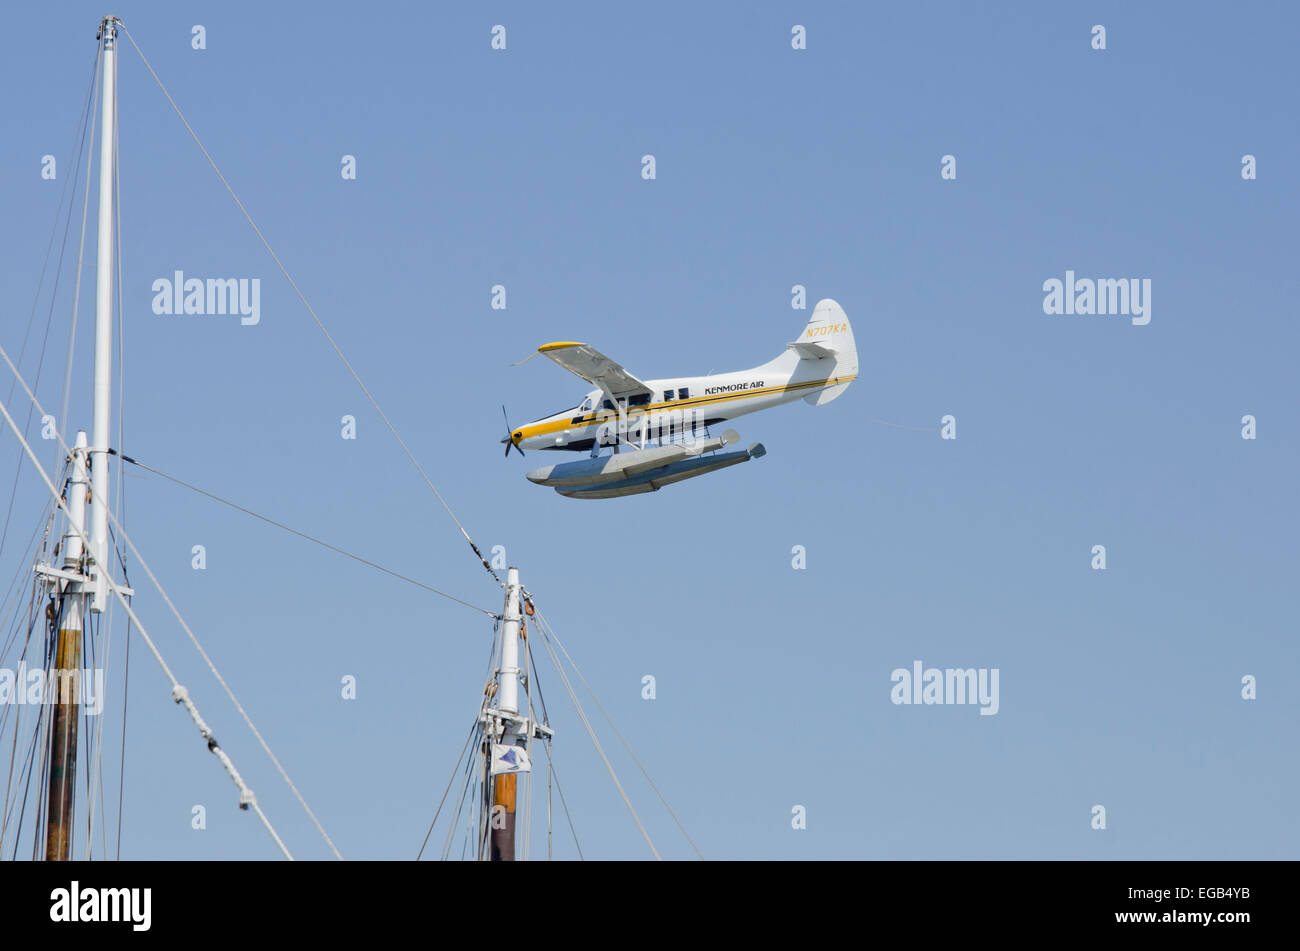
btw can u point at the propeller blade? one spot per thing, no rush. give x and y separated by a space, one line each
509 440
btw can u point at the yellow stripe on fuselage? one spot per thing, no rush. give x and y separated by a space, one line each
562 425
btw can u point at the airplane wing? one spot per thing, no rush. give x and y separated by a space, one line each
594 367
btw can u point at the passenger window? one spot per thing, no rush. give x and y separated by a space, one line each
641 399
668 395
684 393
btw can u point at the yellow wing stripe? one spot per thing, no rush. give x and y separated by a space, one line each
559 345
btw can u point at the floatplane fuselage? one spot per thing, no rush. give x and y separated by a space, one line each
659 430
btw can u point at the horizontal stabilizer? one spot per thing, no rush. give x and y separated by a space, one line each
811 351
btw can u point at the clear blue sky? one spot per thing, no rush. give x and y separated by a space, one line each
775 167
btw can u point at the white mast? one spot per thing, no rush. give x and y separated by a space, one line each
507 732
103 386
509 701
79 585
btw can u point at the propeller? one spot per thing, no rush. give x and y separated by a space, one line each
509 439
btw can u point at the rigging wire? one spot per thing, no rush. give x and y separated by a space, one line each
126 680
40 737
27 771
120 487
121 481
13 753
86 119
454 770
474 731
294 531
81 266
550 765
87 125
121 781
528 743
24 776
461 799
179 692
15 588
564 679
536 680
549 633
212 667
310 310
484 800
549 851
91 741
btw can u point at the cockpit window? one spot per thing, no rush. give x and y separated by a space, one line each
586 405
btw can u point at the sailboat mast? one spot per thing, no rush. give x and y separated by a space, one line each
80 585
505 785
508 732
100 433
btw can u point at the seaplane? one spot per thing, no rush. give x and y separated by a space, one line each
659 431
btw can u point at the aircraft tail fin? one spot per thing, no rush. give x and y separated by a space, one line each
828 339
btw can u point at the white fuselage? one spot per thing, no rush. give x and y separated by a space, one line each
683 405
